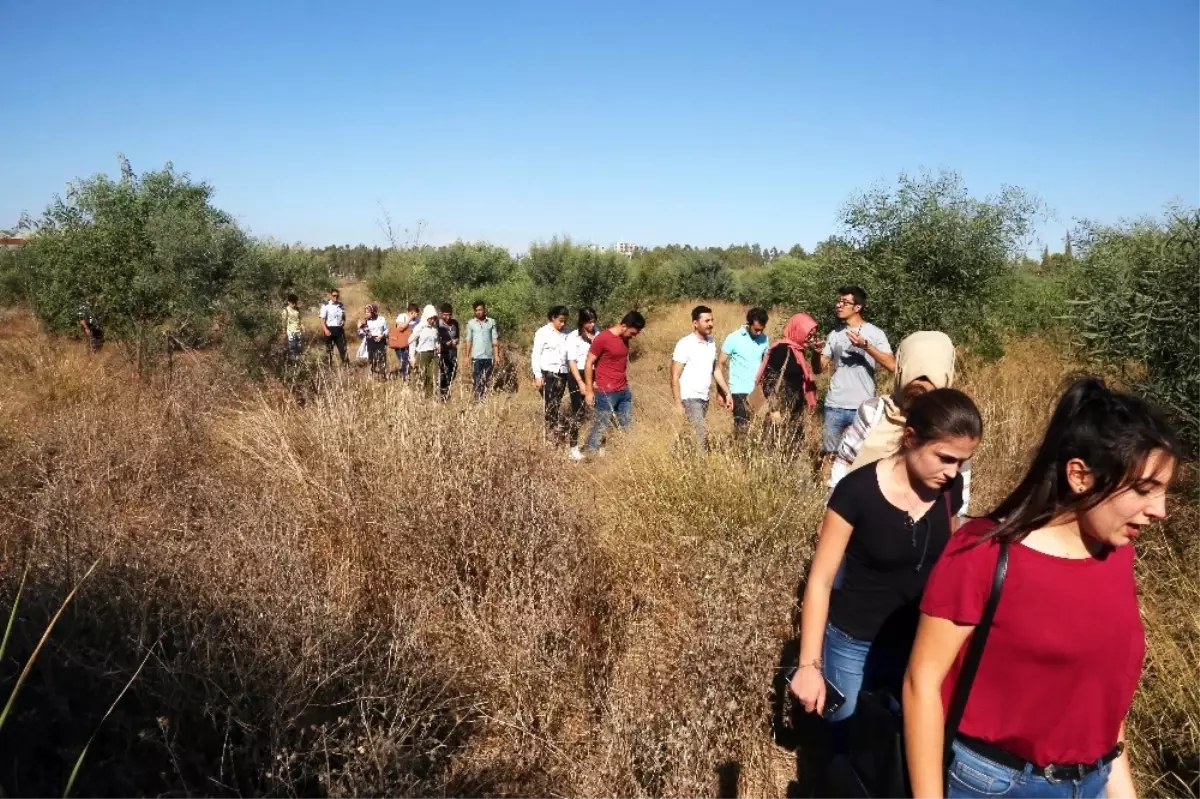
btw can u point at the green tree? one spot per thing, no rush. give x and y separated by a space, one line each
154 259
1136 307
699 275
937 257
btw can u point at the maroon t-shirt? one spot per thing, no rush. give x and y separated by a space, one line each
1065 652
612 358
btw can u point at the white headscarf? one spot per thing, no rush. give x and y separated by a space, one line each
428 312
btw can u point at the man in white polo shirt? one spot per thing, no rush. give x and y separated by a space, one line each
693 368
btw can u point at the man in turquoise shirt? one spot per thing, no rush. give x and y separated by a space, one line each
743 351
483 349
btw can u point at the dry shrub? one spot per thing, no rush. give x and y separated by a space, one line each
347 590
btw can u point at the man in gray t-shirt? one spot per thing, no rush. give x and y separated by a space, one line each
853 350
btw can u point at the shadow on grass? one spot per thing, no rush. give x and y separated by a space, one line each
227 704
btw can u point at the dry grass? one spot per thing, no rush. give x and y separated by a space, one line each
350 591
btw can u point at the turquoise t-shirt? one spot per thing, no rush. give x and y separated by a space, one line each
745 356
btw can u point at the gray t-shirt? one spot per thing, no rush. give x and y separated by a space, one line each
482 336
853 381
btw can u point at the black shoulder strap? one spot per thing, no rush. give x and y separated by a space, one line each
962 691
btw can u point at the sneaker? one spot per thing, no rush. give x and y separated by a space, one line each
575 454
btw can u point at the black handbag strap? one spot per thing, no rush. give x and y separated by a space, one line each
962 691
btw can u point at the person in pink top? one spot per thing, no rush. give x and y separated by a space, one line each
1045 713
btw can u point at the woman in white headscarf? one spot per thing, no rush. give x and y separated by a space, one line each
924 361
424 343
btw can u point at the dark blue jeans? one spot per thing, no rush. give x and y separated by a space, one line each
481 376
610 406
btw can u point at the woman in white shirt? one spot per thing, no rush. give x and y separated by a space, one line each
579 344
375 328
424 343
549 360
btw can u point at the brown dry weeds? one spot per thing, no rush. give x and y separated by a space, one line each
350 591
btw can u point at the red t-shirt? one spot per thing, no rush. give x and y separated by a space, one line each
612 358
1065 652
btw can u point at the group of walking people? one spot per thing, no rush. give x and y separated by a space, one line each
1009 645
426 342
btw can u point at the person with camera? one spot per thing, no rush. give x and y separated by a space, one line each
884 528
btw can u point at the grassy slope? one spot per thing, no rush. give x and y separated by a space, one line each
361 593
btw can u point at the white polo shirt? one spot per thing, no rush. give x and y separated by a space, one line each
698 357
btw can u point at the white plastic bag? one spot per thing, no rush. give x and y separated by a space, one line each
362 350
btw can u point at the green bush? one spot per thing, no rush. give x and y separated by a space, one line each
1136 307
699 274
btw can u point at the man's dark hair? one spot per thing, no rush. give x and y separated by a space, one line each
860 294
699 311
478 304
635 320
412 306
557 311
446 308
293 298
756 315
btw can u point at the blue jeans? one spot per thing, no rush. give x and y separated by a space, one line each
402 357
855 665
836 422
611 406
481 376
972 775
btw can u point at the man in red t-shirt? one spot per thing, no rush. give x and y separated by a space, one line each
606 387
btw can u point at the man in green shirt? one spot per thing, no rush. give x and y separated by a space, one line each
483 349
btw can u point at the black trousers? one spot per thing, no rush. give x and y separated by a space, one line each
449 368
553 387
578 409
336 338
741 414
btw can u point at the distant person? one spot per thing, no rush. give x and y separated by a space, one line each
884 529
789 370
400 341
483 349
377 339
1066 648
924 361
549 361
693 368
91 328
852 350
606 381
424 344
293 330
333 321
743 352
448 332
579 344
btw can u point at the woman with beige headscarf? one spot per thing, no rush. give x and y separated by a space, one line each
924 361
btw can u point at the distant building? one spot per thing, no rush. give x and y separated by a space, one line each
11 242
627 248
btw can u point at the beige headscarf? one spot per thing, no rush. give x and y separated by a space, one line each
928 354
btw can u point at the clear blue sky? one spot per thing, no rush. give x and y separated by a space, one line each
700 122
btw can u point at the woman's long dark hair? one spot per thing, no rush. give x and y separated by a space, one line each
1113 433
586 315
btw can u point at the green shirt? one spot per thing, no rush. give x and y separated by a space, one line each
482 337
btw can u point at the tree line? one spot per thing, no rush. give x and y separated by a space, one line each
161 265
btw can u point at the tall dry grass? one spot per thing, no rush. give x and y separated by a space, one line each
348 590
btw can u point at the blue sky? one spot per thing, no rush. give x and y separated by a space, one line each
700 122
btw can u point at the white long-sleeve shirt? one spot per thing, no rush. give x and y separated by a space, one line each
549 351
377 326
578 348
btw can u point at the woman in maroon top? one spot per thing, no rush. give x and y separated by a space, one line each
1046 712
